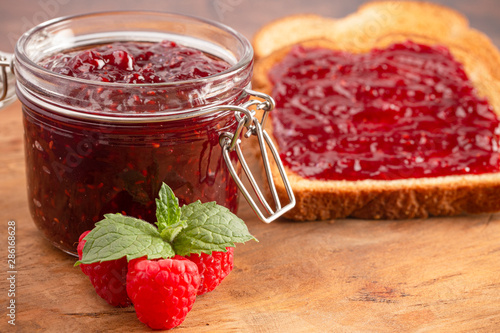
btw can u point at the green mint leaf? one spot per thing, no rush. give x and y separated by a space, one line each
210 228
168 234
120 236
168 212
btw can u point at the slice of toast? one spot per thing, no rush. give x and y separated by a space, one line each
377 25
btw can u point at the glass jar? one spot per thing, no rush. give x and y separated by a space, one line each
85 158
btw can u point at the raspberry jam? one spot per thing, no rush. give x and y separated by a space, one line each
80 171
408 111
133 62
111 113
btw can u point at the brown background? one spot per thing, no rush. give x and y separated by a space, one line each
246 16
437 274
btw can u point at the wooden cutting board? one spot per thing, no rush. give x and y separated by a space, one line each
437 274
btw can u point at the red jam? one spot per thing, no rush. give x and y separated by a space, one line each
132 62
78 170
408 111
136 63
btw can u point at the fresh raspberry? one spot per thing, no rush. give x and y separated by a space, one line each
213 268
107 277
163 290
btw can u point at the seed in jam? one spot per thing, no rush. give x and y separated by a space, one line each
78 170
408 111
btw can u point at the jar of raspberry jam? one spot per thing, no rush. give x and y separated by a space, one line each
114 104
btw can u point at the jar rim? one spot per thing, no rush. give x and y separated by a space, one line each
41 85
20 54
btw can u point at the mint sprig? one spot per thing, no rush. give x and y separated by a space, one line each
168 214
194 228
120 236
211 228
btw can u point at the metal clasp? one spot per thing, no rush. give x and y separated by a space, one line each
7 95
245 115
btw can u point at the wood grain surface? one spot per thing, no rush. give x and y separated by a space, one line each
431 275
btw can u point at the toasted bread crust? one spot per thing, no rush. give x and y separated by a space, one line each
373 19
395 21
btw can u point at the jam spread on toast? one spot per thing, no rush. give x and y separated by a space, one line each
407 111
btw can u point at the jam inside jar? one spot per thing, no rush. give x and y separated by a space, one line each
94 146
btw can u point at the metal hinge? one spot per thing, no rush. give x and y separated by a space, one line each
245 115
7 79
